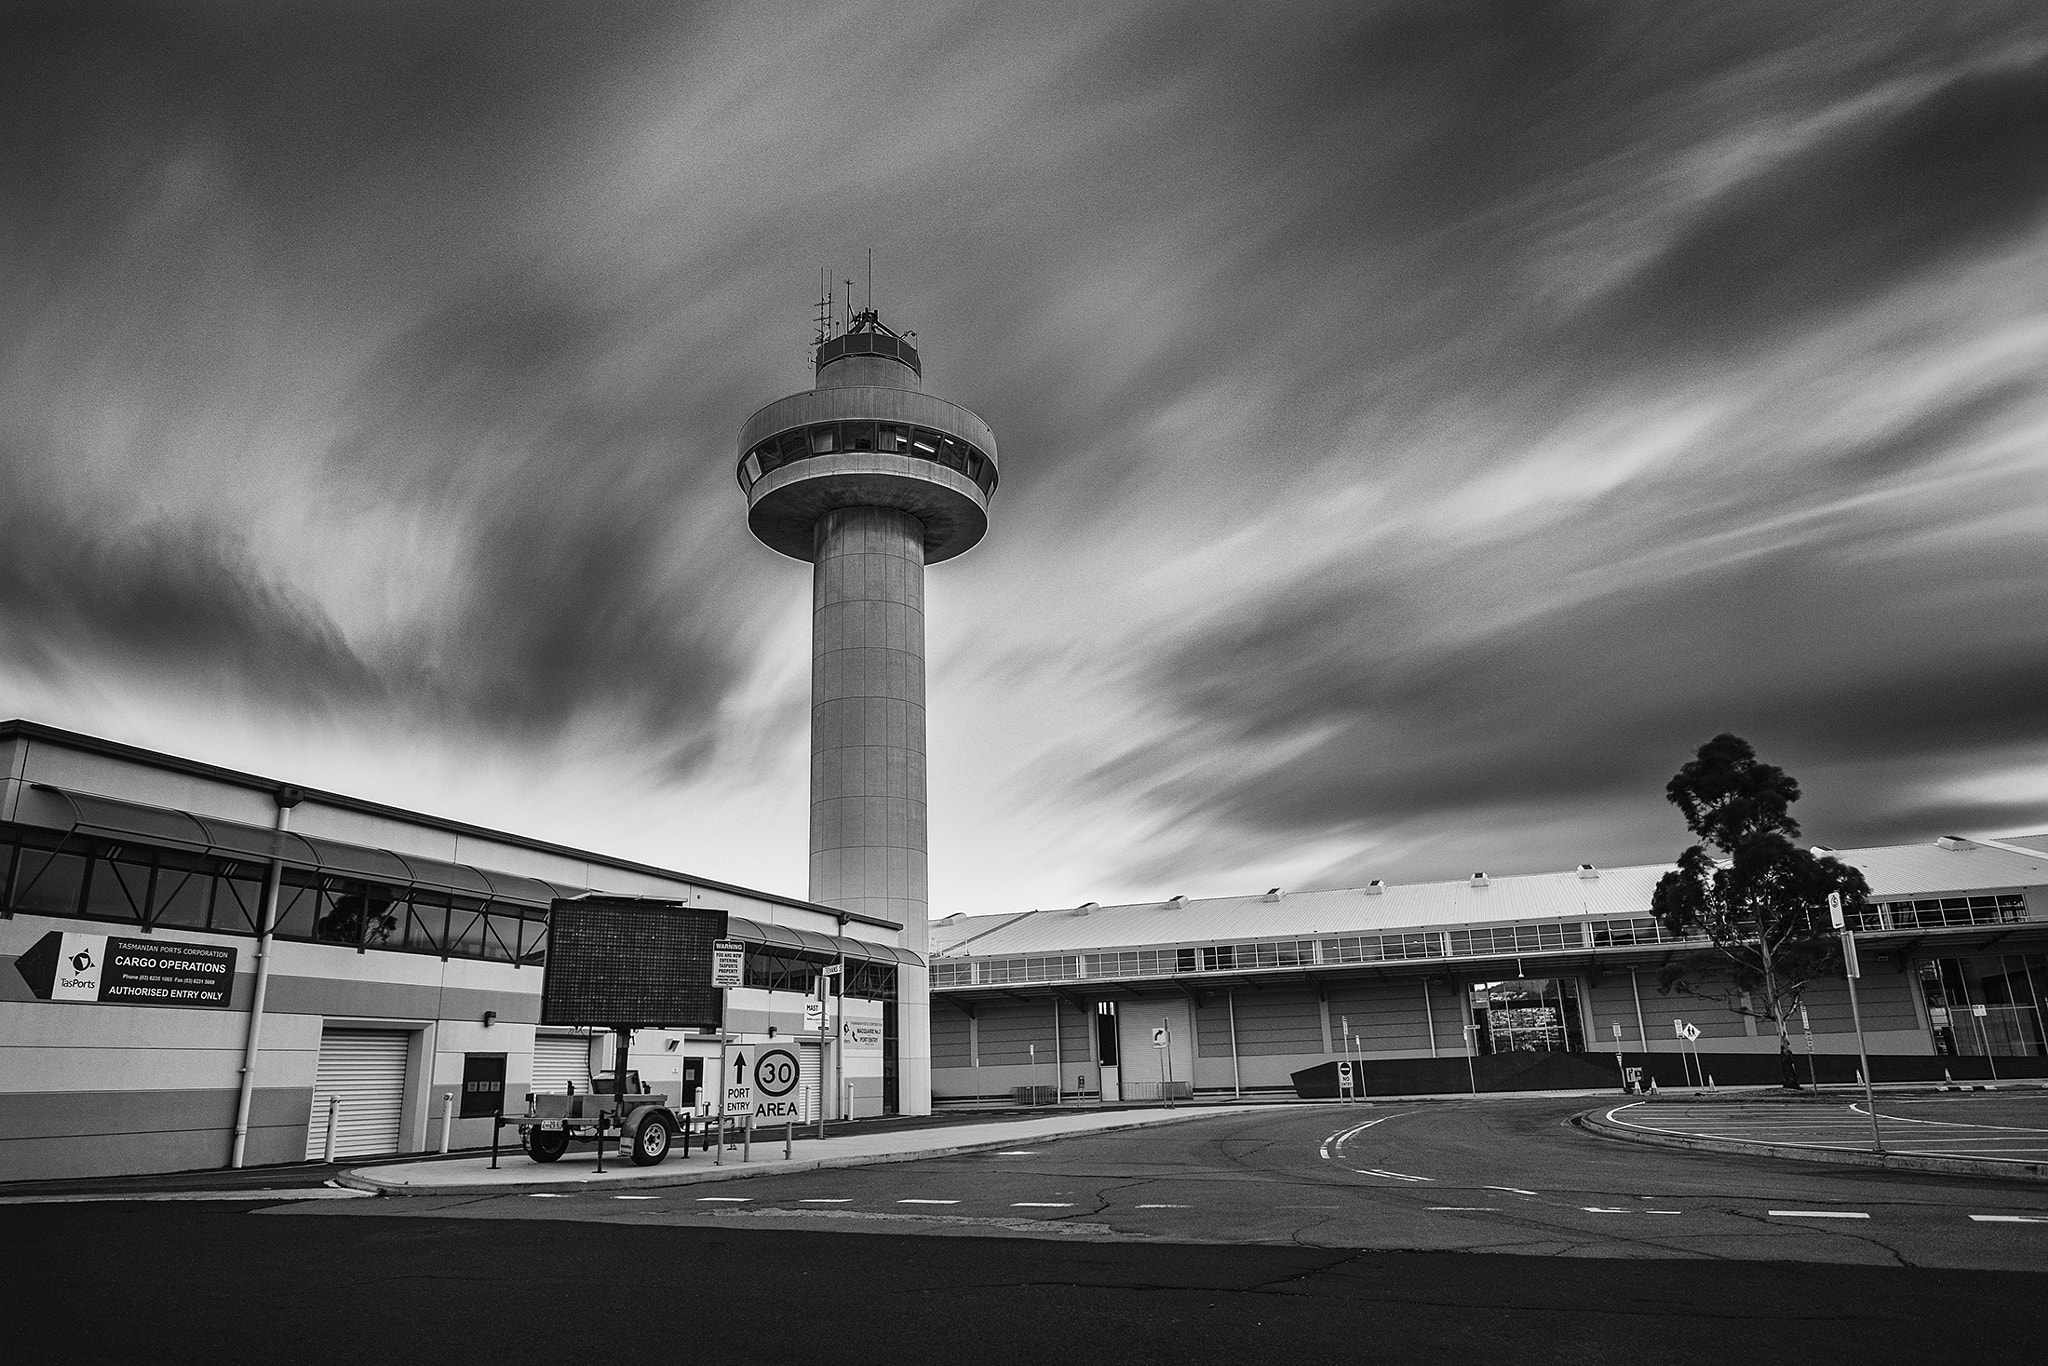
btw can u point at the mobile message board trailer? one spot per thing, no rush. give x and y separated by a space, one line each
622 963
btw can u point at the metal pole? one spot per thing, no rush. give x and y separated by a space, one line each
333 1118
447 1116
1429 1016
1851 972
1166 1063
718 1148
253 1042
1034 1073
1471 1052
1812 1063
788 1139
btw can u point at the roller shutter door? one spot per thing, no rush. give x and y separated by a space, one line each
559 1059
365 1070
810 1057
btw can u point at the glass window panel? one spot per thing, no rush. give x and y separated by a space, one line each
47 882
118 891
426 925
183 894
465 932
501 936
238 900
298 905
533 948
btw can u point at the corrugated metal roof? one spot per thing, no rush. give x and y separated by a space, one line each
1893 871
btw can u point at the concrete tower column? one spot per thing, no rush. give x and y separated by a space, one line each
867 745
871 479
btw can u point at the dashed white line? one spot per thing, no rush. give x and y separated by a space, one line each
546 1195
636 1197
1462 1209
2008 1219
724 1199
1020 1153
1663 1211
1165 1207
1391 1176
1337 1141
823 1200
1815 1214
927 1202
1601 1209
1511 1190
1039 1204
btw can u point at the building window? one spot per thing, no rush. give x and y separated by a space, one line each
1526 1015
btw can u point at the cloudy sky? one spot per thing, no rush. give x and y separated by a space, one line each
1422 424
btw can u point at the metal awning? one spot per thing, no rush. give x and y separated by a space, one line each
111 819
831 945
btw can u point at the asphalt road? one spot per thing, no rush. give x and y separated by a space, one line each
1310 1235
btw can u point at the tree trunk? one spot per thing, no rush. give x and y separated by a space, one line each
1789 1071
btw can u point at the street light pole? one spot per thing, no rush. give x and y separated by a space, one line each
1851 970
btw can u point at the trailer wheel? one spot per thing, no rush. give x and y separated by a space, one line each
650 1144
546 1145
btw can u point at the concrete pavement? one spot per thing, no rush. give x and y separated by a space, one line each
577 1170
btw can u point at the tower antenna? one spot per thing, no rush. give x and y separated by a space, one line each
871 279
824 313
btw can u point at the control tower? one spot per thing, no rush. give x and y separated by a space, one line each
869 479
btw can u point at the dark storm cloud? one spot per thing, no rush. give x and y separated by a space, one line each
95 588
1865 209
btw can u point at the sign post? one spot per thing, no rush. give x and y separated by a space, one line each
1344 1080
1851 970
1620 1062
1812 1063
1162 1039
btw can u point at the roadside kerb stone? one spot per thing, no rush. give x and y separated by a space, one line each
387 1181
1596 1122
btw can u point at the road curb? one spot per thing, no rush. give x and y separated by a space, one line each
1595 1122
361 1179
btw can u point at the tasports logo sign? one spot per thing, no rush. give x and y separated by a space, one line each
106 970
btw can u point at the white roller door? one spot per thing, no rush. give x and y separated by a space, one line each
558 1060
810 1058
364 1070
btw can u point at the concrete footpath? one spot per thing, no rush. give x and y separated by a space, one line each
517 1174
2001 1136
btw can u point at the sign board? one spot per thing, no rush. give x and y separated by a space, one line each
739 1079
814 1012
109 970
860 1033
1850 966
728 964
1979 1011
777 1070
633 961
1159 1038
1617 1032
1691 1033
1344 1072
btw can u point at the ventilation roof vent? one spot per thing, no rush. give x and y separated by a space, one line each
1954 842
1375 887
1176 901
1086 907
1481 880
1588 872
1273 894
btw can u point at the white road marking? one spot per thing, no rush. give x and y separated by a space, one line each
1598 1209
927 1202
1165 1207
723 1199
1511 1190
1391 1176
545 1195
1815 1214
1663 1211
636 1197
2008 1219
1456 1209
1337 1141
1031 1153
1039 1204
834 1200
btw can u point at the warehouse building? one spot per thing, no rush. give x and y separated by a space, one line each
400 981
1487 983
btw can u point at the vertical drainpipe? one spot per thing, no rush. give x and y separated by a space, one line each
1642 1034
1429 1014
1236 1084
1059 1056
287 798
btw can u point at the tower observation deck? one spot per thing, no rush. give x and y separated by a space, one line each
869 479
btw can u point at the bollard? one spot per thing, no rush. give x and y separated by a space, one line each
447 1117
788 1140
747 1141
333 1117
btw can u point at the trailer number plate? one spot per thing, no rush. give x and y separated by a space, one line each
551 1124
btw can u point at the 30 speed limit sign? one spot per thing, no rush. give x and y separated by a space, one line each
777 1072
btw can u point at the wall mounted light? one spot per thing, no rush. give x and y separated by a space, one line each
490 1018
